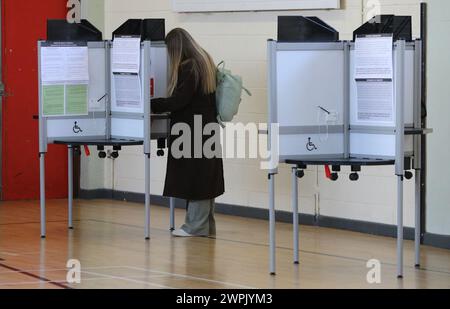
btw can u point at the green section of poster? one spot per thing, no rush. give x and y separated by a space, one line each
76 99
53 100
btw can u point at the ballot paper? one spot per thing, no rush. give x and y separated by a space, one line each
60 65
128 92
375 101
374 57
126 55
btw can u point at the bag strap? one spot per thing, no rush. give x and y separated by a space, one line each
221 63
247 91
220 122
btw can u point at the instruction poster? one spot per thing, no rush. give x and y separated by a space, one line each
375 101
126 62
76 99
126 54
65 79
374 78
53 100
374 57
128 91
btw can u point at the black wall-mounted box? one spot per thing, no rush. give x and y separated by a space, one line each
305 29
148 29
61 31
399 26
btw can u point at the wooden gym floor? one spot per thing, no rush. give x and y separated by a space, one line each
108 241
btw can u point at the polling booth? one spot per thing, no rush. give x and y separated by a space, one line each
339 103
98 93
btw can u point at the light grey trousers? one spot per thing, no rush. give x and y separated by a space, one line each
200 218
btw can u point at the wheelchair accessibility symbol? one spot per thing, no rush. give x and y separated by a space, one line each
76 129
310 145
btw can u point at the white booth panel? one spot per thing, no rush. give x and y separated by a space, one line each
305 80
57 128
159 71
129 128
409 87
296 145
97 79
376 145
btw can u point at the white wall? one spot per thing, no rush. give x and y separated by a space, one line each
438 193
240 40
94 11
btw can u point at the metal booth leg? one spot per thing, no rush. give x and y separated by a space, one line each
272 223
70 189
295 214
400 227
42 191
147 196
172 214
417 236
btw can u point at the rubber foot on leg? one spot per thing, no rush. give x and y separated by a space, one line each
296 262
273 274
400 277
417 266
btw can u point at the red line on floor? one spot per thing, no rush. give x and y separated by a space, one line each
35 276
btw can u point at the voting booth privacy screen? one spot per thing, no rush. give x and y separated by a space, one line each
343 103
339 99
99 93
100 89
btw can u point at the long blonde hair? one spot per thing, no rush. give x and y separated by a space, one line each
181 48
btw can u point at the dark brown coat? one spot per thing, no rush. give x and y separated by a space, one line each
191 178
